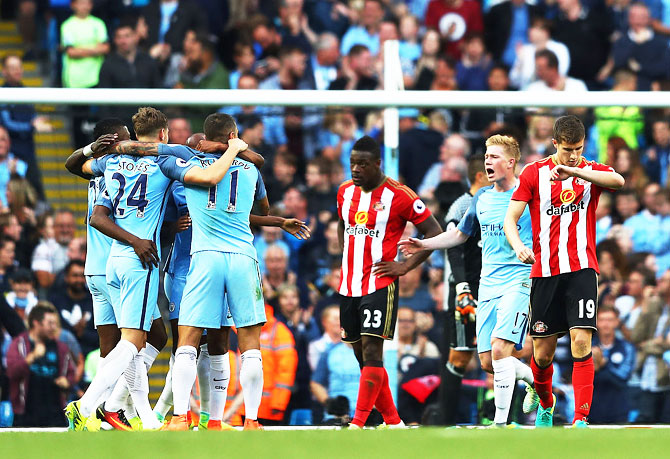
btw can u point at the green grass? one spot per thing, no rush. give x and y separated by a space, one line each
408 444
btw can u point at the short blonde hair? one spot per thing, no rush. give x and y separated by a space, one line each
509 144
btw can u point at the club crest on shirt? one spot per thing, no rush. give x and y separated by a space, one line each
540 327
580 181
379 206
171 307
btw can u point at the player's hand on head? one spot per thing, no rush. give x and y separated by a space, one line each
209 146
183 223
147 253
103 142
389 268
410 246
237 144
525 255
297 228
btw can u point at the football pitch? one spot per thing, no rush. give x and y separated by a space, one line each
409 444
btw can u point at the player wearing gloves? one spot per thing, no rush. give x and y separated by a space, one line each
465 261
502 314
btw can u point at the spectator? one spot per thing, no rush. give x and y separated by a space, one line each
167 22
651 336
269 235
328 16
244 58
320 194
409 47
179 130
641 50
410 340
586 32
324 60
624 122
294 28
75 305
413 293
603 216
11 326
284 168
267 43
549 78
656 159
295 204
9 166
280 362
320 260
424 69
330 323
539 37
128 67
67 337
21 122
336 375
614 362
540 133
626 205
639 288
21 292
627 162
367 32
442 79
203 71
452 153
473 69
12 229
454 19
252 131
7 262
40 370
418 147
85 43
507 28
276 274
650 231
50 255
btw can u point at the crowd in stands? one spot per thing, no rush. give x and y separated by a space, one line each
445 45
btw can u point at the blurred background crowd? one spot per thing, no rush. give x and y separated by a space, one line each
49 345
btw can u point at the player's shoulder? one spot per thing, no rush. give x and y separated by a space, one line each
403 190
344 185
481 191
535 165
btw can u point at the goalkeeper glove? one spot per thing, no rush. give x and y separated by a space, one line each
465 303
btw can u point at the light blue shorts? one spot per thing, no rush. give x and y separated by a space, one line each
174 290
215 277
133 291
103 311
504 317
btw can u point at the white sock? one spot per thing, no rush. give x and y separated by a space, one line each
220 376
504 379
183 377
118 399
149 354
138 385
164 402
251 380
107 392
523 372
203 379
116 362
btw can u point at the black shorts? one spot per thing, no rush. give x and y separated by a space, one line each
373 315
563 302
462 337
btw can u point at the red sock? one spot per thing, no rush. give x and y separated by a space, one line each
368 389
582 382
542 377
385 403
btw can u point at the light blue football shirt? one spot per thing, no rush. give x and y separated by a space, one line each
220 214
97 244
500 265
179 259
137 189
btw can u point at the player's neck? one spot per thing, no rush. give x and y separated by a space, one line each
505 184
374 184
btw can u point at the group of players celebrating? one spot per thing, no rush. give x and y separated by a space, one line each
202 195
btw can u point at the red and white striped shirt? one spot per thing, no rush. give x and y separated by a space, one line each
563 215
373 225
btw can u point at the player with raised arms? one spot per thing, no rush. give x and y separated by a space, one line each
374 211
562 193
504 288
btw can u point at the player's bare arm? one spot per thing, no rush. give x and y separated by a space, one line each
293 226
77 159
446 240
340 234
145 249
604 179
213 174
210 146
429 228
514 211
